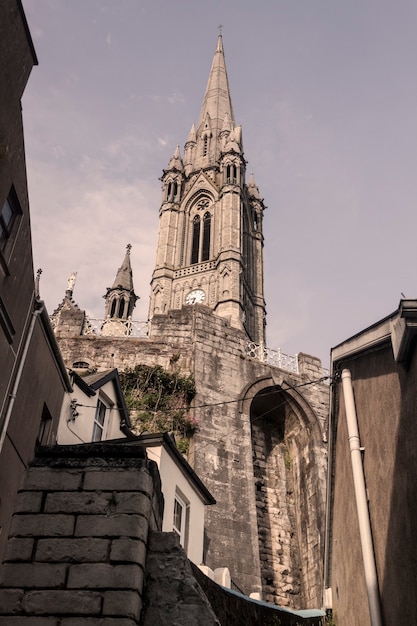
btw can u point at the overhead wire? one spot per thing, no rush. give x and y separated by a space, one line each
213 404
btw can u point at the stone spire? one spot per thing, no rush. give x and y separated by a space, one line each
253 187
121 297
124 276
176 161
217 103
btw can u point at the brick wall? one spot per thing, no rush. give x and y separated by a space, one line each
77 545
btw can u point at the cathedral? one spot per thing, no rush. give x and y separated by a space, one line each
260 446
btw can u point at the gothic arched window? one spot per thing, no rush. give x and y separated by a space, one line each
200 244
113 308
172 190
231 173
205 251
121 307
195 248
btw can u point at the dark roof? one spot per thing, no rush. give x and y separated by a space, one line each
92 382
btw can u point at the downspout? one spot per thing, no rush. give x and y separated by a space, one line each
327 598
368 556
39 306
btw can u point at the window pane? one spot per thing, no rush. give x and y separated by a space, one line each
101 413
10 210
196 239
205 255
99 421
178 516
97 432
7 214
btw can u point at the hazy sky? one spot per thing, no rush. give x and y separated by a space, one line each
327 96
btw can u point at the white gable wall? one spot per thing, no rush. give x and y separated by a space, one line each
174 481
80 429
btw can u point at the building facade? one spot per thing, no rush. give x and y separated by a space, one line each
260 446
33 378
371 556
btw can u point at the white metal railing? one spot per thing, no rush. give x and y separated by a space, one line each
280 359
272 357
114 327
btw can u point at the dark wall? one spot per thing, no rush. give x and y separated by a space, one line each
43 379
16 270
386 403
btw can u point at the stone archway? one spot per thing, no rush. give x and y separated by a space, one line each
287 452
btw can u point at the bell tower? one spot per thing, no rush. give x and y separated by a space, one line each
210 243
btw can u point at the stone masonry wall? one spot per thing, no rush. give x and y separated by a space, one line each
171 593
77 548
221 452
227 383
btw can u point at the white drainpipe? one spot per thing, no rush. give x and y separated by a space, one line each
12 397
368 556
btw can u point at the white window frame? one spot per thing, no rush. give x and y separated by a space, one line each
98 426
180 524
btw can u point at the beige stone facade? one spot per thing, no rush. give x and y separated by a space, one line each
210 233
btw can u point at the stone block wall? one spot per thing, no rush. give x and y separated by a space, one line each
172 594
78 540
228 448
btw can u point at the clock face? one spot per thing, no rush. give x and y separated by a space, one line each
196 296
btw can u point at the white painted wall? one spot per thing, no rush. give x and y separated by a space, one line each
172 478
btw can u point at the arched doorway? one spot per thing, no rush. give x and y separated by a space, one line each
288 493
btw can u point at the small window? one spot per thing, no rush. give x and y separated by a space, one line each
10 211
80 365
99 420
181 518
6 323
44 431
231 174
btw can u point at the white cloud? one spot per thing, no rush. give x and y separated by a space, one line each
176 98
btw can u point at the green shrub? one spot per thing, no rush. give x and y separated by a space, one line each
159 401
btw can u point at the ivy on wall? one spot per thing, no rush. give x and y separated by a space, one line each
159 401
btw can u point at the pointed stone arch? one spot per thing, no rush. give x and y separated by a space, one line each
286 448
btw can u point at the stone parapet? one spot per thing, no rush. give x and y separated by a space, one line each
78 541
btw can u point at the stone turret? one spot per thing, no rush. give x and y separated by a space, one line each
68 319
120 299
